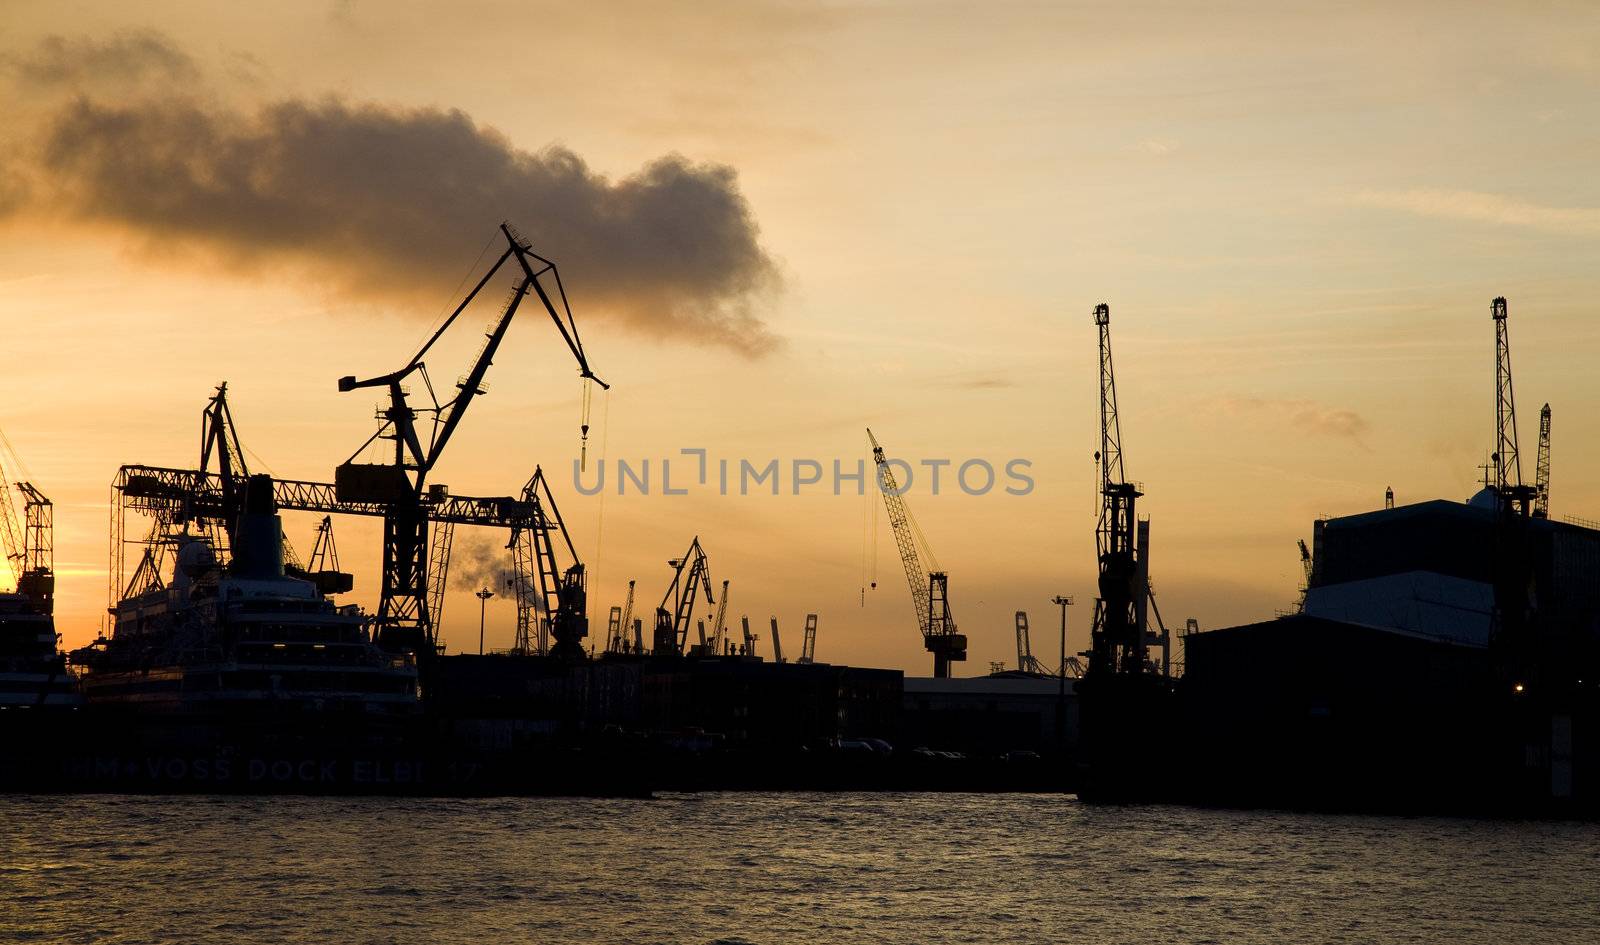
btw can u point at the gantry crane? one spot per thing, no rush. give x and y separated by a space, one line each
1117 641
1025 658
1541 476
400 486
690 573
30 546
929 589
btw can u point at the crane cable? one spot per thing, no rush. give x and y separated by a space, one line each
600 514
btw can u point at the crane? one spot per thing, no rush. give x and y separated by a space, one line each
1117 641
1305 566
619 642
777 643
562 595
690 572
400 486
719 628
1025 658
808 645
322 569
1541 476
1514 495
929 589
30 546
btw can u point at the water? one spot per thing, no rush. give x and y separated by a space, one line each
776 868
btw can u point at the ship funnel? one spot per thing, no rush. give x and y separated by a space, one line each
258 541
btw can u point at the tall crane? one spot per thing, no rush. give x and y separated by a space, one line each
1514 495
690 573
929 589
401 486
1117 641
30 545
1541 476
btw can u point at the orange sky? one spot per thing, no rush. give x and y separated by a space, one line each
1298 220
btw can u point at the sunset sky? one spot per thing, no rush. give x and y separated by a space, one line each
779 224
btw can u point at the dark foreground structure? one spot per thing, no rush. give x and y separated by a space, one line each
1444 661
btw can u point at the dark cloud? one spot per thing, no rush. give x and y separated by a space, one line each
129 56
389 204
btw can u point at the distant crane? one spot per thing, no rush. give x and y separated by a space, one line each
1117 641
30 546
1513 494
690 573
1541 476
929 589
719 629
749 638
400 486
621 624
552 598
777 643
1305 566
808 647
1025 658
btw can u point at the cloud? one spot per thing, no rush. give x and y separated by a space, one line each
1479 207
128 56
1308 416
986 383
387 204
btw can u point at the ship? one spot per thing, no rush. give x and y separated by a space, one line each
244 641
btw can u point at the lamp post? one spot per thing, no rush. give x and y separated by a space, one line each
483 604
1061 671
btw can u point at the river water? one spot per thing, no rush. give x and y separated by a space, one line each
776 868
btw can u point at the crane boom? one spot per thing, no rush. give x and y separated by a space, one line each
929 589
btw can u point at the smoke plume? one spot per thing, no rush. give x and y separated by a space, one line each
378 202
478 562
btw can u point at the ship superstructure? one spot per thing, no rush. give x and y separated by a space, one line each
243 638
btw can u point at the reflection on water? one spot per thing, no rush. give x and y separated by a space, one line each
776 868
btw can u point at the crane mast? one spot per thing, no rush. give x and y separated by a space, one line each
1117 642
1541 476
929 589
1514 496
